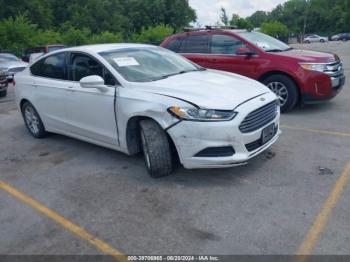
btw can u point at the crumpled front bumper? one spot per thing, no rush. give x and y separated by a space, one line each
191 138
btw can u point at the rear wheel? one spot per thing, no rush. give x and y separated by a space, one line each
307 42
156 149
322 41
3 93
285 89
33 121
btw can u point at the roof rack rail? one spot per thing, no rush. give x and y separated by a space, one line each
208 27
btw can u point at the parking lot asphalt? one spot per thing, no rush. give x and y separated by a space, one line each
293 197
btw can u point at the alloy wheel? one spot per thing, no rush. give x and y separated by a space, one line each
32 120
280 90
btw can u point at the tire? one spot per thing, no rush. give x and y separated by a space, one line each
322 41
284 87
33 121
3 93
156 149
307 42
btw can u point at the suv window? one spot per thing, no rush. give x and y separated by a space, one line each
53 66
83 65
198 44
224 44
175 45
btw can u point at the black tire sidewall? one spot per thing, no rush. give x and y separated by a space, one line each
157 147
291 88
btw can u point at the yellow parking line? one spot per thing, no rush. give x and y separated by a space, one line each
321 220
80 232
318 131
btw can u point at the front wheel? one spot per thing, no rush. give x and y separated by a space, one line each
156 149
322 41
285 89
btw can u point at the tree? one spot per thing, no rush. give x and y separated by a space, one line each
17 33
153 35
275 29
258 18
224 17
234 20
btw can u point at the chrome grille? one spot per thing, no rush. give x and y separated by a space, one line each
334 69
259 118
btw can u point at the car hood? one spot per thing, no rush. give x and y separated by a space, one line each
309 56
13 64
208 89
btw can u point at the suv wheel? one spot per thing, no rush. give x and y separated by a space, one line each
33 121
3 93
285 89
156 149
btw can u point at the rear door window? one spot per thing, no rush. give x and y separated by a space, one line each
175 45
53 66
224 44
195 44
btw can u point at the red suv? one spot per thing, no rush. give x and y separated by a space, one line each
296 76
40 49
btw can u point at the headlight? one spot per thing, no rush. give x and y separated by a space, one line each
196 114
314 67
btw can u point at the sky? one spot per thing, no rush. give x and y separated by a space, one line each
208 11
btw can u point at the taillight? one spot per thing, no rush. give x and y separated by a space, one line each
13 82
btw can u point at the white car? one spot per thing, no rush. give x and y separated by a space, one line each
134 98
11 65
315 38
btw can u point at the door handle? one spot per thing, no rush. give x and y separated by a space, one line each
35 85
214 60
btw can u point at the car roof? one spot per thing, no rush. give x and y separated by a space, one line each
104 47
205 30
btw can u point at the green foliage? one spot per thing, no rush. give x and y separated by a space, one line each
240 22
308 16
275 29
106 37
17 33
27 23
44 37
243 23
258 18
154 35
74 37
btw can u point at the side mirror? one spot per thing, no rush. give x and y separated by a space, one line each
94 81
244 51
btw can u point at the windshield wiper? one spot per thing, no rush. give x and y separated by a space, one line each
274 50
180 73
279 50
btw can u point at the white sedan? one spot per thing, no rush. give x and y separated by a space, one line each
141 98
315 38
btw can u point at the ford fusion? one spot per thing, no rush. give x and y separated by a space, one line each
141 98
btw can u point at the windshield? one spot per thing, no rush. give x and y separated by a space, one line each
265 42
8 57
148 64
